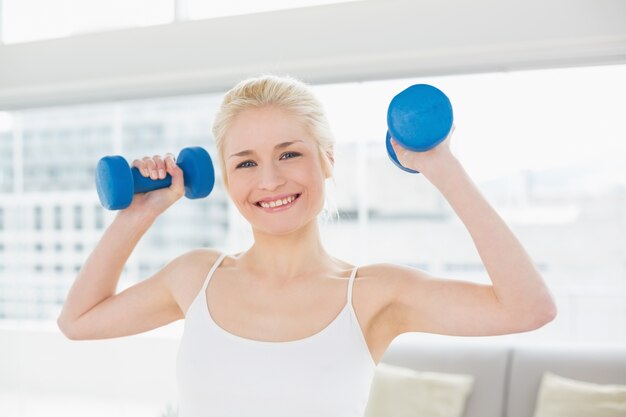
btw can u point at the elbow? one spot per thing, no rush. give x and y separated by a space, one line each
531 316
546 317
552 311
549 310
543 315
66 329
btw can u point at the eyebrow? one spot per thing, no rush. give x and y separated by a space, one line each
279 146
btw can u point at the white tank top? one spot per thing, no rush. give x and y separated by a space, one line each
220 374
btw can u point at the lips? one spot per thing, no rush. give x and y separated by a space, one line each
274 199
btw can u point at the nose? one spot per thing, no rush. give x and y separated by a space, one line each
270 177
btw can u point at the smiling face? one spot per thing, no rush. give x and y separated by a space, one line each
274 170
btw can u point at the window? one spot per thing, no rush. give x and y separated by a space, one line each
38 221
58 217
78 217
524 137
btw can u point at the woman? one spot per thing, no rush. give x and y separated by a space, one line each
286 329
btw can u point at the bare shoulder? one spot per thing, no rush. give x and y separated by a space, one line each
377 286
386 277
389 281
189 271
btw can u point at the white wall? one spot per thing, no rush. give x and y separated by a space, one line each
331 43
44 374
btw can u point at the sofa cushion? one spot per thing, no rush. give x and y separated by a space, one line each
564 397
403 392
487 362
598 364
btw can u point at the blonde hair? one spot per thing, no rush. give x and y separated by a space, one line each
284 92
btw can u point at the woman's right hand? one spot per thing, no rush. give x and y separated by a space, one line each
155 202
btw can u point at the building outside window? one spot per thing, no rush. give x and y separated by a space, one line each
563 198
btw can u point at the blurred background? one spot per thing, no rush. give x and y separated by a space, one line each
539 97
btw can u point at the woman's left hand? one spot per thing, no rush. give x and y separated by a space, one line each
427 162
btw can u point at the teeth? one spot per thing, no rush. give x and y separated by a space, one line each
278 202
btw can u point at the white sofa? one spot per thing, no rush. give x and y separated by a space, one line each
507 377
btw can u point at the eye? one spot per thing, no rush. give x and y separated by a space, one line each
294 154
244 164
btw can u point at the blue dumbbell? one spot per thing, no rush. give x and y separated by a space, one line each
418 118
117 182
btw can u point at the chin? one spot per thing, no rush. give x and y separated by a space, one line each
281 228
278 230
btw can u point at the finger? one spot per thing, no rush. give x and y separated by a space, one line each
169 162
397 148
160 166
393 143
151 167
178 182
169 156
140 166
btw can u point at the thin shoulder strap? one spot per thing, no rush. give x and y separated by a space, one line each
350 284
213 268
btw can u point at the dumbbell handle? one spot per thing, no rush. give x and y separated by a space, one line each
144 184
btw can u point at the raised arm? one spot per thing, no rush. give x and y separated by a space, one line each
92 309
518 299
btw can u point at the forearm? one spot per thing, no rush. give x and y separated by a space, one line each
98 278
516 282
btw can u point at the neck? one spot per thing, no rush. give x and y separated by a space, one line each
280 260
